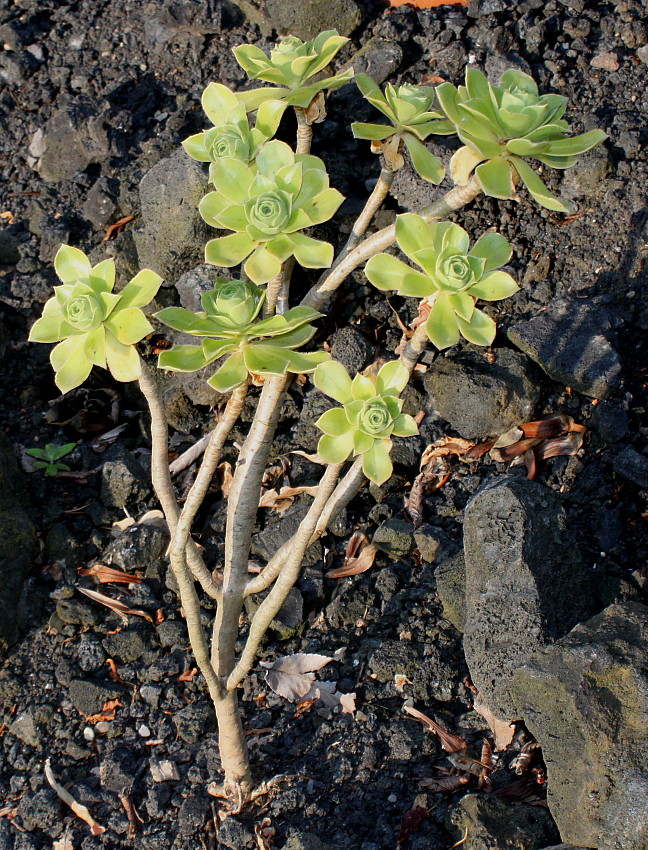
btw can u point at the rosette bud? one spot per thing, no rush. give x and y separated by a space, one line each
451 278
370 415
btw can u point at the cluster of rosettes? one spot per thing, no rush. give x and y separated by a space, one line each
228 326
370 415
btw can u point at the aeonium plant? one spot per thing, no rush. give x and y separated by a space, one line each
231 136
93 325
290 65
370 415
452 277
409 109
267 207
228 327
500 125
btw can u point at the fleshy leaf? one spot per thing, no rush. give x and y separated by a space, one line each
182 358
332 379
425 163
228 250
312 253
129 326
441 324
71 265
494 286
463 163
538 190
335 449
372 132
405 426
392 378
480 330
334 422
495 178
376 463
70 364
230 375
123 360
494 249
140 291
386 272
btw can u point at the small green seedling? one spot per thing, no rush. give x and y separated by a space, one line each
370 415
47 458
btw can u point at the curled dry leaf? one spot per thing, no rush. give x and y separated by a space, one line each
360 555
293 678
107 713
436 784
223 475
155 518
79 810
522 762
114 605
64 842
282 499
106 575
411 820
449 742
445 446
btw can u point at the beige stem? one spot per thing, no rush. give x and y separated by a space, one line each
286 579
233 748
373 204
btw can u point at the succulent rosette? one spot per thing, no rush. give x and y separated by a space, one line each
229 327
370 415
266 207
409 109
93 325
231 136
501 124
451 279
291 63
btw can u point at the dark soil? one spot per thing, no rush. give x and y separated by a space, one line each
350 780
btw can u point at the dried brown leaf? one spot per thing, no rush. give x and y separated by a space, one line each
462 760
114 605
113 230
224 476
445 446
551 426
360 555
79 810
436 784
513 435
188 675
508 453
449 742
410 822
107 713
568 444
283 499
106 575
503 732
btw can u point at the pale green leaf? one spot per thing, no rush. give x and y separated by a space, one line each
386 272
71 265
95 346
233 180
441 324
538 190
140 291
494 249
332 379
262 266
405 426
412 234
334 422
312 253
182 358
494 286
230 375
372 132
129 326
228 250
392 378
335 449
123 360
70 363
495 178
195 147
480 330
376 463
425 163
363 388
102 276
265 359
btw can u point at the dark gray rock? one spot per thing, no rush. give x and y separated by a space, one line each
18 548
33 726
192 814
172 633
193 283
299 840
101 206
54 233
306 433
351 349
234 835
568 341
71 140
281 528
117 769
379 58
610 421
89 654
289 618
194 721
173 235
127 645
138 547
586 701
395 537
586 178
180 22
478 398
633 466
40 811
525 583
430 674
123 482
433 543
180 413
494 824
9 252
450 578
305 19
89 696
76 612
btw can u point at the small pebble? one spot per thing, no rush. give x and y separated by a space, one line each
606 61
89 734
392 798
144 731
102 727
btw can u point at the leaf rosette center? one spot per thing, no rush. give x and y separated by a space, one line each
269 212
374 418
83 310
